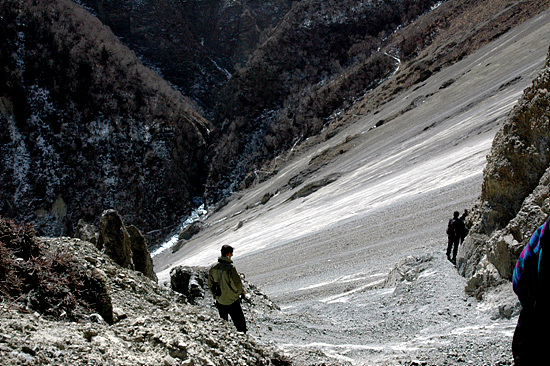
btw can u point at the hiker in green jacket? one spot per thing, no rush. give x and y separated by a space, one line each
225 283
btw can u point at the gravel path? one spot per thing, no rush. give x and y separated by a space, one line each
373 291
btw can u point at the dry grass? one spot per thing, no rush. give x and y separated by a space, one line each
36 278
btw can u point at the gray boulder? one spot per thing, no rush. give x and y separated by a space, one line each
140 254
114 239
191 282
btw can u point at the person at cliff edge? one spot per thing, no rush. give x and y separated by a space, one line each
226 286
530 283
456 232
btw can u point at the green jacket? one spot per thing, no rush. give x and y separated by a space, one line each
231 284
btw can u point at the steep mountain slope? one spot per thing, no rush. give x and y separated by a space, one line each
324 57
347 235
196 45
319 58
84 126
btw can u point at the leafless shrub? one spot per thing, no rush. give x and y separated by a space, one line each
49 281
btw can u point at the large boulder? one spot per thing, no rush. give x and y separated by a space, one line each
114 239
191 282
140 254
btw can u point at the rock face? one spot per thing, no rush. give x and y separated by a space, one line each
114 239
515 196
125 245
140 253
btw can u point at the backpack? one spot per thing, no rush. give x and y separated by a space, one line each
451 228
527 278
216 287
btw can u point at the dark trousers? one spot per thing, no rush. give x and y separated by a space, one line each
531 339
236 313
453 245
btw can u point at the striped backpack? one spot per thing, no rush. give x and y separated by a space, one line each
527 279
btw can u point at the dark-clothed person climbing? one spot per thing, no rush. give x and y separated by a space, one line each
456 232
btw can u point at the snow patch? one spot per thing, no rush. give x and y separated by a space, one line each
199 214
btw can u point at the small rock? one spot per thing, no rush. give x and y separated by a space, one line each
170 361
119 314
28 350
89 333
96 318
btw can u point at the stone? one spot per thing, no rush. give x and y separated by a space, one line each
114 239
119 314
189 281
140 253
190 231
99 294
87 232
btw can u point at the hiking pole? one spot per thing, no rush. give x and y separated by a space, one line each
253 319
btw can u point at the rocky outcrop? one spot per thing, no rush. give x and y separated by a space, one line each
515 196
152 326
140 253
191 282
125 245
114 239
48 278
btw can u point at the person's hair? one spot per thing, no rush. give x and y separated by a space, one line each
456 214
226 249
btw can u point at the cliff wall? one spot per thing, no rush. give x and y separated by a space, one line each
515 196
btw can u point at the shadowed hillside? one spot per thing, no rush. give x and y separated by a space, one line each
326 57
84 126
195 45
320 58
